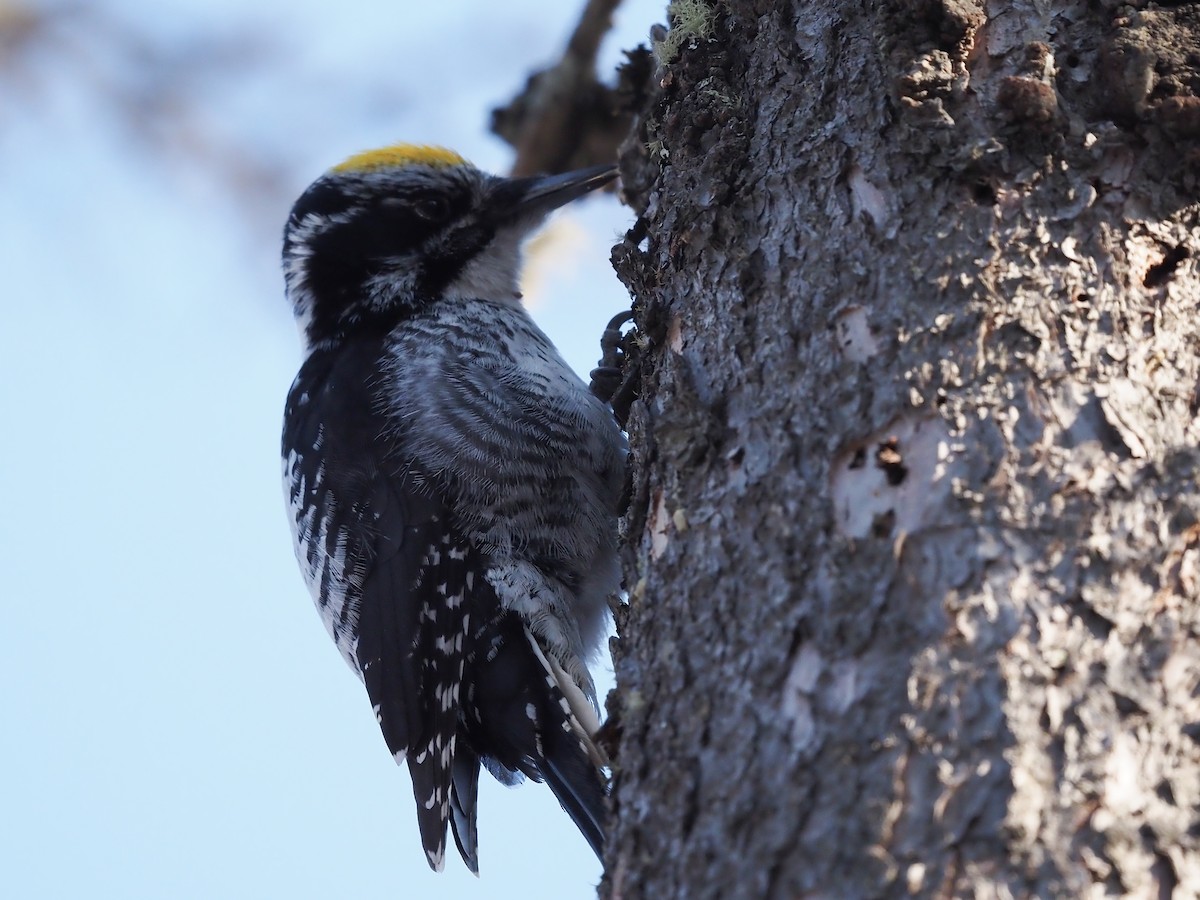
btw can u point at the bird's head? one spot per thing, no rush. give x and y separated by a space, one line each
389 231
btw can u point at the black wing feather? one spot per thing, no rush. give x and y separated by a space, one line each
413 615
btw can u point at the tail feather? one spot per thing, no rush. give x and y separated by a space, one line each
570 759
464 799
519 722
577 785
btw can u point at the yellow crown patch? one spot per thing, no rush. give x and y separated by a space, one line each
400 155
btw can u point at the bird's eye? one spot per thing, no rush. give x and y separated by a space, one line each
432 209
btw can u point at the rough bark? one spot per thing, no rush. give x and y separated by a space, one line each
914 540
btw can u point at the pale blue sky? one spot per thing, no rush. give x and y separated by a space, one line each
176 723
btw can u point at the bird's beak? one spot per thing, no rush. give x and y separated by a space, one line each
532 198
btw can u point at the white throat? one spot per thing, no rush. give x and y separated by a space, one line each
494 274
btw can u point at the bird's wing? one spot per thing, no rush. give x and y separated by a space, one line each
414 613
453 676
389 575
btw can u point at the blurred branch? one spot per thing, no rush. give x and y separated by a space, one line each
565 118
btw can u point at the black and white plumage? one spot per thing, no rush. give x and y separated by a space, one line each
453 485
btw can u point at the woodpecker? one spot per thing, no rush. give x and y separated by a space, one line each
453 486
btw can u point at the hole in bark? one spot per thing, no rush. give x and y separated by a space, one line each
1160 273
888 458
1096 623
1071 60
883 524
859 459
983 193
1126 706
1164 792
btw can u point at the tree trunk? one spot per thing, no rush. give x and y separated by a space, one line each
914 543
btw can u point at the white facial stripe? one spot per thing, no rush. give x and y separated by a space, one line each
494 273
